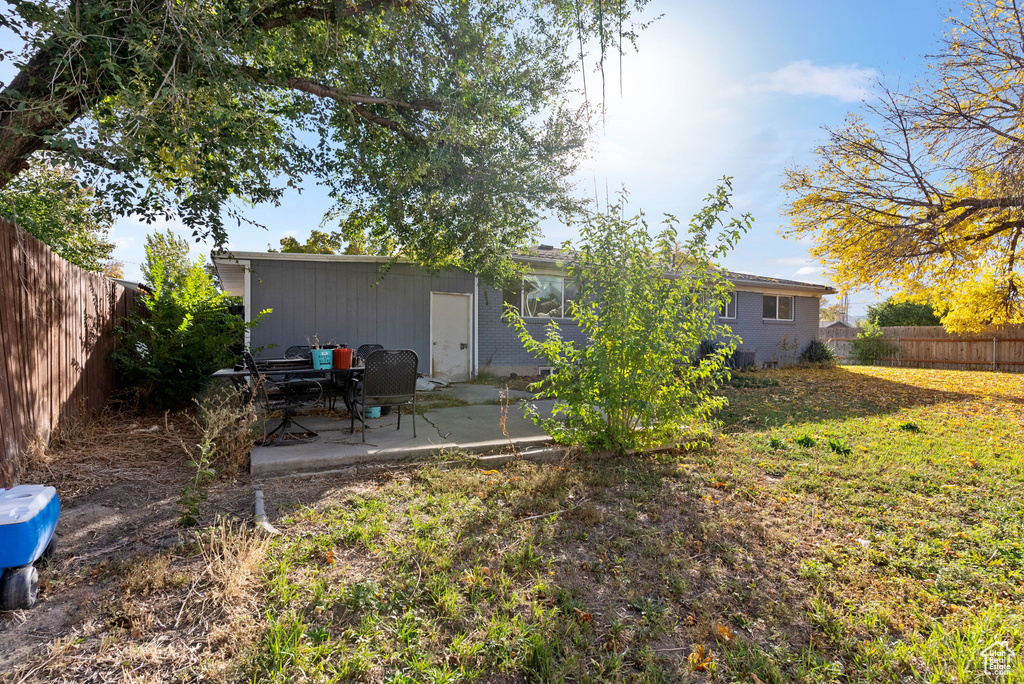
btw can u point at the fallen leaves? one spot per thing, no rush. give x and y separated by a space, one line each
700 659
583 616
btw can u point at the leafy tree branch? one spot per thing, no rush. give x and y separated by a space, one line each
442 124
923 193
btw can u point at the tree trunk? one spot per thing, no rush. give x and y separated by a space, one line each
50 105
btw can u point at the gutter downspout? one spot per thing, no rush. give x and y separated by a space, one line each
247 301
476 326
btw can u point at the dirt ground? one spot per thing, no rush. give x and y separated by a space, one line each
119 479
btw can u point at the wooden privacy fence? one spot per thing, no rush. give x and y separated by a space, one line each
55 334
933 347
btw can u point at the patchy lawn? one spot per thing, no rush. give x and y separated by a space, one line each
859 524
131 595
887 547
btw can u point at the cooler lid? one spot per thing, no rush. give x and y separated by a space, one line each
22 503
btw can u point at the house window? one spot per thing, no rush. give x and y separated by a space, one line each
778 308
547 296
728 309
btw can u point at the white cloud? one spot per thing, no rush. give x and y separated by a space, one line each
123 242
847 82
809 270
790 261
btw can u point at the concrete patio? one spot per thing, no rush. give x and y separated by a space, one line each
474 427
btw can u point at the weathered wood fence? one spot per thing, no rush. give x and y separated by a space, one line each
932 347
55 334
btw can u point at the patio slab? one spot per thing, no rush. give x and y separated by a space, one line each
479 394
474 428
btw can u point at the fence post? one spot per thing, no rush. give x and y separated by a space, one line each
994 353
899 351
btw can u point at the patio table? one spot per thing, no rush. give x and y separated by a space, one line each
344 378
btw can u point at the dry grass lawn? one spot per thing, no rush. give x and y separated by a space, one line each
856 524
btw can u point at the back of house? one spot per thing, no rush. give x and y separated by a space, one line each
454 321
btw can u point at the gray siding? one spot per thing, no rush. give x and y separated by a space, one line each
347 303
780 341
501 352
353 303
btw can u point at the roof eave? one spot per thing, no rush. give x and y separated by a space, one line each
230 257
797 287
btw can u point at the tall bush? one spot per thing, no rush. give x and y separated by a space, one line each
177 336
871 345
48 201
817 352
645 304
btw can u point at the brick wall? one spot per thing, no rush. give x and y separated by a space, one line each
780 341
500 351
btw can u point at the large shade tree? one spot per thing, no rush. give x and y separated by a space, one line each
924 192
48 201
442 125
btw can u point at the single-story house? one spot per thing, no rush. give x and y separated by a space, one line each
454 322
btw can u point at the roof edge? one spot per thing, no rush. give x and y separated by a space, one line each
302 256
783 285
735 278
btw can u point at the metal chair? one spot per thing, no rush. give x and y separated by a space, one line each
367 349
289 397
389 379
297 352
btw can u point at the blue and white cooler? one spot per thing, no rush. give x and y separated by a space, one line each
28 519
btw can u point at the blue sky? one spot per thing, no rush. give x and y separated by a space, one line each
726 87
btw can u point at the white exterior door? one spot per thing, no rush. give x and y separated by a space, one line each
450 332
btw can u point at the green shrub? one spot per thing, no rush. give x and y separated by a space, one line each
645 304
892 312
818 352
805 441
839 447
871 345
176 337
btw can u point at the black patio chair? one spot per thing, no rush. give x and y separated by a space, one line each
367 349
286 396
389 379
298 352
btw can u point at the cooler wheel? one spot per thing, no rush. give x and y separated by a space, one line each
18 588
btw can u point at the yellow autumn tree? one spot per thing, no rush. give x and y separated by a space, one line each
923 192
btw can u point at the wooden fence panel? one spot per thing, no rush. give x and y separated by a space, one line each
9 409
998 349
55 336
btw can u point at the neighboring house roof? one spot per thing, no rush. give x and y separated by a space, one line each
131 285
230 269
837 324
